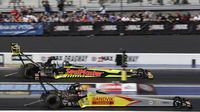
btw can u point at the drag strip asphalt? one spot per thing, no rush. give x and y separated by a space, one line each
18 104
106 44
161 76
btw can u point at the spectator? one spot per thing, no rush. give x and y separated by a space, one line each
102 10
196 17
170 18
14 13
112 18
30 10
12 2
84 10
176 2
47 7
20 3
125 18
185 2
60 5
160 2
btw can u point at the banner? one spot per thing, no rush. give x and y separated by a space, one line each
108 28
21 29
60 28
124 28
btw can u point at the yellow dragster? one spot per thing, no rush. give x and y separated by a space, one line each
80 71
74 97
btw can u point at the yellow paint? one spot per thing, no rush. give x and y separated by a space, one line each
102 100
124 76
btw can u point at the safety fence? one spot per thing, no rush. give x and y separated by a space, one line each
100 28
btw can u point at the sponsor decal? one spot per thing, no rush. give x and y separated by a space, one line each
24 58
105 58
109 28
84 72
150 102
85 28
102 58
133 27
61 28
21 28
102 100
132 58
156 27
76 58
110 87
180 27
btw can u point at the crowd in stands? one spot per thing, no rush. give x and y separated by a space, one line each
27 14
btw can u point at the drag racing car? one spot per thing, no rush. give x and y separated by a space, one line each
73 97
68 70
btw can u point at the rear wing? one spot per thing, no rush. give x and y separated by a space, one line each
15 49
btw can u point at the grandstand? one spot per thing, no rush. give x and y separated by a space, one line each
110 4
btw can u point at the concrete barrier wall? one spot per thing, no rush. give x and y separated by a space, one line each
109 58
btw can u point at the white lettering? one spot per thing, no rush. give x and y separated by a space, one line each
180 27
156 27
85 28
109 27
133 27
61 28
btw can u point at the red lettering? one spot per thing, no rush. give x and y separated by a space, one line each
102 100
84 72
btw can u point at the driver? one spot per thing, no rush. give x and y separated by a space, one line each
66 63
75 89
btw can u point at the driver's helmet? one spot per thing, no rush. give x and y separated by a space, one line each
66 63
75 88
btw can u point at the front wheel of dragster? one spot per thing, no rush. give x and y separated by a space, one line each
29 70
52 101
178 102
141 73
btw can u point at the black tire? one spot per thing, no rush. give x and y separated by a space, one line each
29 70
141 73
178 102
52 101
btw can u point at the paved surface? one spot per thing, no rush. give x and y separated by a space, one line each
173 76
17 104
133 44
